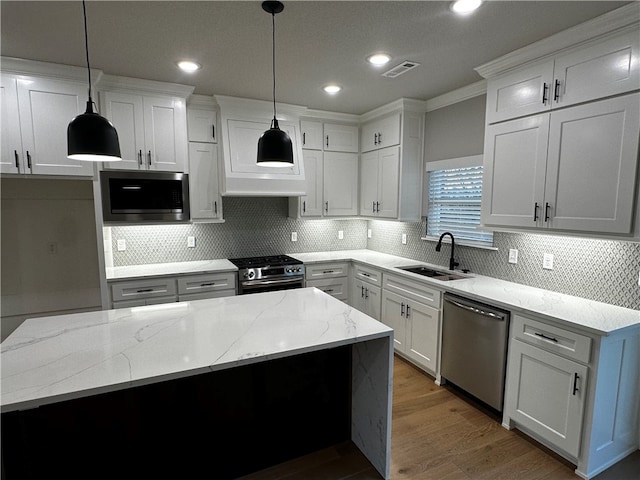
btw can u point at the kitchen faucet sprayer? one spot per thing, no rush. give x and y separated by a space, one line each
452 262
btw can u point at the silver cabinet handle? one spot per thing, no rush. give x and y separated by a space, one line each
408 310
210 284
377 207
144 290
213 132
140 157
15 152
556 91
575 383
326 207
28 160
149 157
373 207
328 271
362 293
304 207
402 309
366 293
542 335
215 207
475 310
304 138
379 138
545 88
327 140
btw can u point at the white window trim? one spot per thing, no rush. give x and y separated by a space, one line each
446 164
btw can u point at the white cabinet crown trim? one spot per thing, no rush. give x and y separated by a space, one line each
147 87
626 16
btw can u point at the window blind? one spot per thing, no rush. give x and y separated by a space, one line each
454 204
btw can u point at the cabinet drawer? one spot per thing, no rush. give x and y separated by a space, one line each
210 282
563 342
336 287
326 270
417 291
158 287
205 295
367 274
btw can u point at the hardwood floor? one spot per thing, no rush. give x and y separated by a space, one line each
438 433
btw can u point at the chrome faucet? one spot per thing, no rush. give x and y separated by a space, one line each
452 262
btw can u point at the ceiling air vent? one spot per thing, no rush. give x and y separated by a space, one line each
398 70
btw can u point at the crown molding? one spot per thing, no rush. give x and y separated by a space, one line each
22 66
626 16
459 95
202 102
323 115
113 82
406 104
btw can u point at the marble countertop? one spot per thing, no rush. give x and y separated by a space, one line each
176 268
588 315
52 359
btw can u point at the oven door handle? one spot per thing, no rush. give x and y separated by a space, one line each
255 283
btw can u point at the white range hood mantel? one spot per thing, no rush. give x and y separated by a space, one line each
243 121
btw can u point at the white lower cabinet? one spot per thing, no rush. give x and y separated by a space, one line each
331 278
366 291
547 395
575 392
413 310
166 289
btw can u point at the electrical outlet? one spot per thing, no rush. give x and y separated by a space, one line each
340 234
191 242
547 261
122 244
368 233
639 279
513 255
404 238
294 236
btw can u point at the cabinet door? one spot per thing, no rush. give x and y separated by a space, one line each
340 184
388 178
46 109
381 133
165 134
520 93
202 125
369 183
204 186
422 336
601 70
592 164
393 308
125 112
357 295
12 158
372 300
340 138
514 172
546 394
312 201
311 135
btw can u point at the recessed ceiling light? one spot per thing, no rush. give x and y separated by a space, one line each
332 89
378 59
189 67
465 6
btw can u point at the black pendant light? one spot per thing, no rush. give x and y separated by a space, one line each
91 137
274 146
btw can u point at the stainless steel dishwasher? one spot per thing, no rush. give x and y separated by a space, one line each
474 348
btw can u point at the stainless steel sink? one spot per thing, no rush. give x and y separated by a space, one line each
441 275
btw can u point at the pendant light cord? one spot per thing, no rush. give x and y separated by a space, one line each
86 45
273 56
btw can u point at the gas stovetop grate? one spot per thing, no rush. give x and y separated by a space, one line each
258 262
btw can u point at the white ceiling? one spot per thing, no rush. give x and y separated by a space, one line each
317 42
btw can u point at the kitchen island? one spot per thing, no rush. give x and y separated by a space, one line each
130 359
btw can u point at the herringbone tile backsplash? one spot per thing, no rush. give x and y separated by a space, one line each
603 270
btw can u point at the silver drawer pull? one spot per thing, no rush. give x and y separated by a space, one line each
328 271
211 284
328 290
144 290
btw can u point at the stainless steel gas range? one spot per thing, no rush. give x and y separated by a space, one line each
267 274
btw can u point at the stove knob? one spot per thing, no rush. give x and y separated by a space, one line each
251 274
246 275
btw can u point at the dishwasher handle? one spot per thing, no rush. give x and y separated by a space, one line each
476 310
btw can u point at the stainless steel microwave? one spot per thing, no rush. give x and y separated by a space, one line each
144 197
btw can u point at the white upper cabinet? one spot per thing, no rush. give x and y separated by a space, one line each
35 115
572 169
340 138
340 184
311 135
381 133
597 70
313 166
379 184
152 130
202 125
204 182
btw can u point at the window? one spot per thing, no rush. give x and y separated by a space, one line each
454 204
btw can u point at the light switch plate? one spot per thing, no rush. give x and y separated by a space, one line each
404 238
340 234
122 244
294 236
513 255
368 233
547 261
191 242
